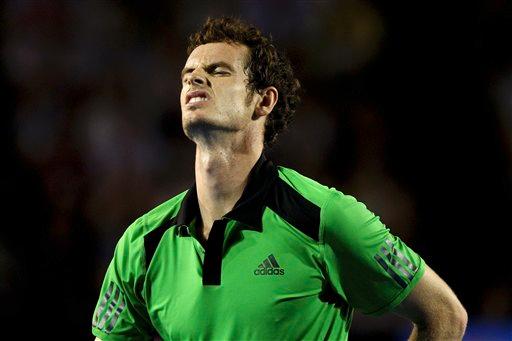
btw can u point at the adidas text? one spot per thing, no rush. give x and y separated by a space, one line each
269 271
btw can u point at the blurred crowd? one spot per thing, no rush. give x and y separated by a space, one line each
407 109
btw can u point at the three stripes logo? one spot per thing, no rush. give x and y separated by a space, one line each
109 309
396 262
269 266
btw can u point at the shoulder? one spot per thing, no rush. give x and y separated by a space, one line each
131 246
299 200
345 218
330 207
320 195
310 189
130 255
346 208
152 219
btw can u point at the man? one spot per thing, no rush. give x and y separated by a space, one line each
253 251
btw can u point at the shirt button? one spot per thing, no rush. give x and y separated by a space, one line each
184 230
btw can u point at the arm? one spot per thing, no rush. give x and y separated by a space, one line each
121 311
377 272
434 309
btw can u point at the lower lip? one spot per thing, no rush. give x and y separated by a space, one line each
198 104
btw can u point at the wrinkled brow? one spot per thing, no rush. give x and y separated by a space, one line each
209 67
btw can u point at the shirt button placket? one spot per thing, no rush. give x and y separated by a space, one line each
212 267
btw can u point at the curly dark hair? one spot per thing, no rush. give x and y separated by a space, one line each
265 67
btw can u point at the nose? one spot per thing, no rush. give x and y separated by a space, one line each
196 79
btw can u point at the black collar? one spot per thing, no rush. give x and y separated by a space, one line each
249 208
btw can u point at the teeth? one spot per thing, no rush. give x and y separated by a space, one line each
197 99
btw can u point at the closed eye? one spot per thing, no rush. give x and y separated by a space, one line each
220 72
219 68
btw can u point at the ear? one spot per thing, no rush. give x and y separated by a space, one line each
267 101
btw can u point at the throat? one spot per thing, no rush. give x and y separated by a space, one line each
202 234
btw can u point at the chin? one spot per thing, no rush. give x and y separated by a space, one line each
201 128
195 126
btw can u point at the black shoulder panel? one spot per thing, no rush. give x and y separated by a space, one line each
153 238
294 208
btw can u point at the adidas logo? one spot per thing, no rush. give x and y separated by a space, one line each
269 267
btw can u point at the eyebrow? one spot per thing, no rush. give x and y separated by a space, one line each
209 67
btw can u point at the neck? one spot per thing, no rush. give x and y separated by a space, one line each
221 176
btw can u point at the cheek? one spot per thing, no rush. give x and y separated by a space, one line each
230 96
182 96
239 96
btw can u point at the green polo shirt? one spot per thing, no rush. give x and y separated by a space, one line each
292 260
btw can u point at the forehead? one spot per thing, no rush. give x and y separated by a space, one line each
234 54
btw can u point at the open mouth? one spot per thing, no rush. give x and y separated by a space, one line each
197 96
197 99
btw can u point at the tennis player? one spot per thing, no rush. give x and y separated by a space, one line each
255 251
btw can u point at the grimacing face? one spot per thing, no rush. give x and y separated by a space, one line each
214 89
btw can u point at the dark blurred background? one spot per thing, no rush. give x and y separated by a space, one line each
406 107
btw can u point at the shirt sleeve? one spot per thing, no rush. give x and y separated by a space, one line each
369 267
121 313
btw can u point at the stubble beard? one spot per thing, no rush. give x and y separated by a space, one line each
202 129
